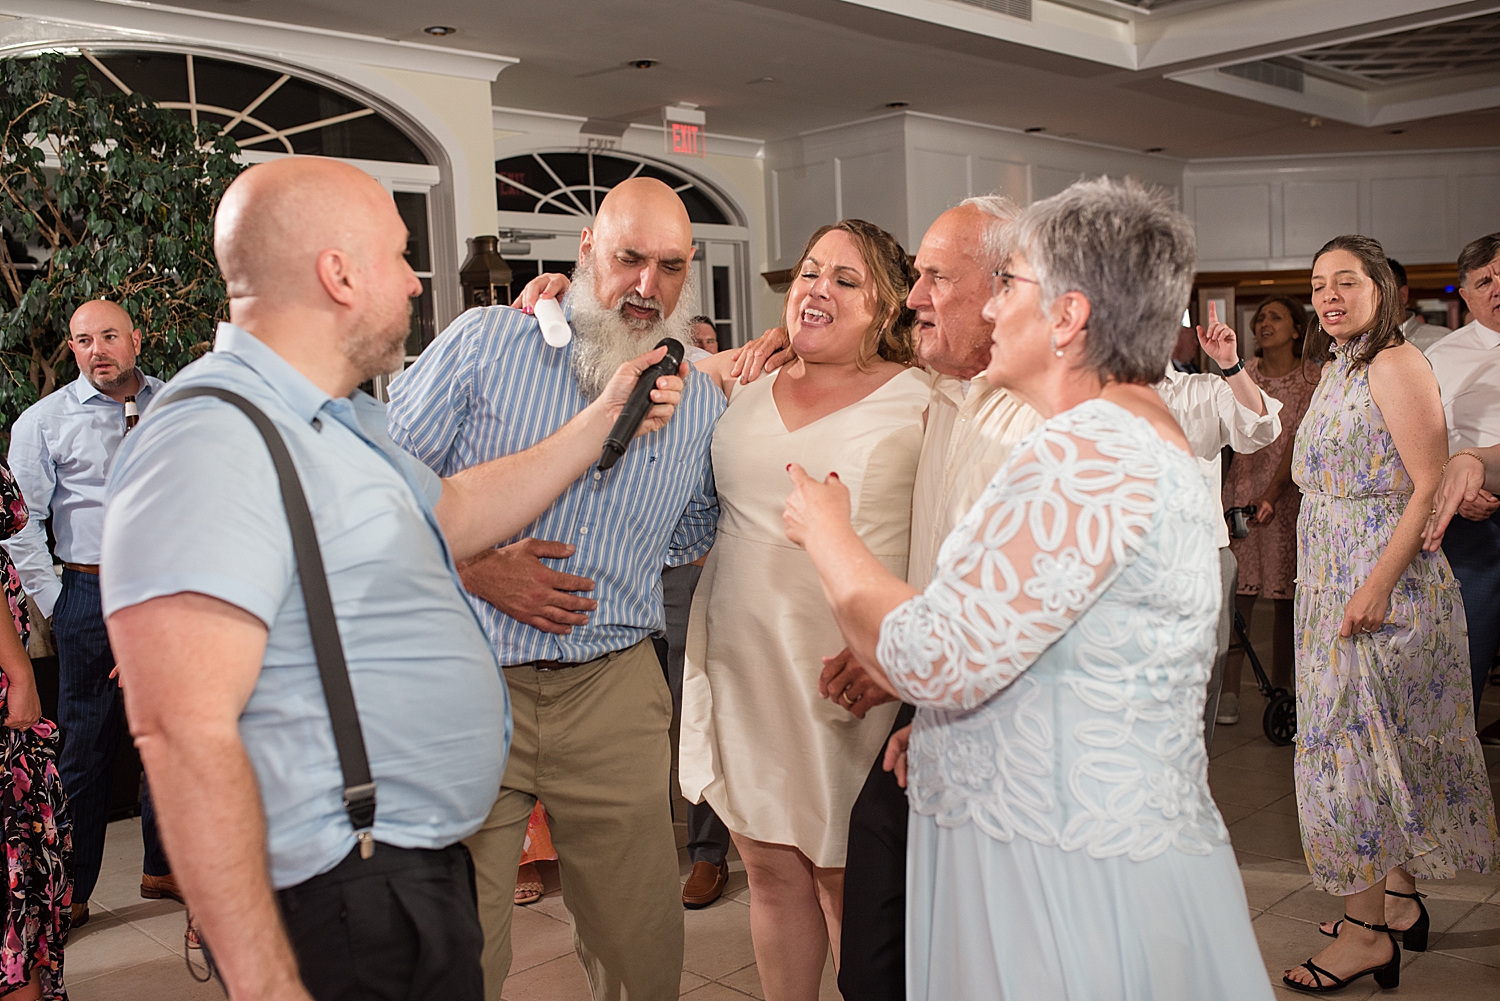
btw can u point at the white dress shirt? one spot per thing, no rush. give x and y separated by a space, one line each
968 438
61 450
1210 417
1424 335
1467 364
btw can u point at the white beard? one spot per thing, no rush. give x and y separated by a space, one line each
604 338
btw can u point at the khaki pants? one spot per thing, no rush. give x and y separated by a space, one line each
591 743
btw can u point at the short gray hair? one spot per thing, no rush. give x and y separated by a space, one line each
1001 211
1130 253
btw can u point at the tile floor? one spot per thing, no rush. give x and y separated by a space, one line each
132 948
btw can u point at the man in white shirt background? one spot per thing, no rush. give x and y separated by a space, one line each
1215 413
1467 364
1414 327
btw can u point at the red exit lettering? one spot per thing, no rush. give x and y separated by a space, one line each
687 139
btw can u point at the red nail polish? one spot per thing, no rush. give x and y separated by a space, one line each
834 475
789 467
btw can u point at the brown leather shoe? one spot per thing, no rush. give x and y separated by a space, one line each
80 914
156 887
705 884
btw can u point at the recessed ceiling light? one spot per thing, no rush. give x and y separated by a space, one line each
642 64
440 30
1397 132
761 79
1037 128
1155 149
898 104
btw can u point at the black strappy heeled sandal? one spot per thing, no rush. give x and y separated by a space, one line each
1387 975
1414 938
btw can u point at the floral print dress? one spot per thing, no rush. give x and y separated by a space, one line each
34 821
1388 768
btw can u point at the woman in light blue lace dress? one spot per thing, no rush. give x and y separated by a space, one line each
1063 841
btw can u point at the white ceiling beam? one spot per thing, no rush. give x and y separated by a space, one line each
1275 27
137 21
1198 38
1054 27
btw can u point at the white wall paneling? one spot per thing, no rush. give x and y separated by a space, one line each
1311 210
1409 212
1233 221
1478 206
1422 207
904 170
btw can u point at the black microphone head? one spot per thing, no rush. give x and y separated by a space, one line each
674 354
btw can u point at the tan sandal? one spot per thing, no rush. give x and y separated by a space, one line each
529 888
190 934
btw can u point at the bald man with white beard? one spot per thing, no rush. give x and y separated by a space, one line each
215 641
592 708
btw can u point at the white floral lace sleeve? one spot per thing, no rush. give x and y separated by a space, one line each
1050 533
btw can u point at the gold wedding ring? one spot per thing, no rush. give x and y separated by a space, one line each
847 700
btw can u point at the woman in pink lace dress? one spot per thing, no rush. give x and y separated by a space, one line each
1263 480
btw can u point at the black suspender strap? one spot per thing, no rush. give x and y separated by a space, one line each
348 738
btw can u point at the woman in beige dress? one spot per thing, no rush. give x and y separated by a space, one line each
780 765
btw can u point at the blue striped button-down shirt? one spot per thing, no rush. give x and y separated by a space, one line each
490 386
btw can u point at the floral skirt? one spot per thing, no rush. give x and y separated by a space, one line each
38 855
1389 771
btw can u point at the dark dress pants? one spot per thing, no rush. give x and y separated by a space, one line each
872 947
708 838
1473 549
91 717
401 925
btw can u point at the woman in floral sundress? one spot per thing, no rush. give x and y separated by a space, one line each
1390 778
33 811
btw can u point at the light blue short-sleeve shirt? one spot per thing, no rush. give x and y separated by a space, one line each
194 505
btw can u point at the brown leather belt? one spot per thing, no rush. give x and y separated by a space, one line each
89 568
558 665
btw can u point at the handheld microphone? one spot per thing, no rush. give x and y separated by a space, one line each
640 401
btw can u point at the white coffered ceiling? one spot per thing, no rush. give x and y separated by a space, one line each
1192 78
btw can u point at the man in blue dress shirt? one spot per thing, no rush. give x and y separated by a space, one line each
591 706
61 449
207 617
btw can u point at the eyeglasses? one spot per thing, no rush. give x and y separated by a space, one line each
1001 280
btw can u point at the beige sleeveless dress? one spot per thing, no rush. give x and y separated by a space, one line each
776 762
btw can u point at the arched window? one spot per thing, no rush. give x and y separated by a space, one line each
573 183
262 109
270 113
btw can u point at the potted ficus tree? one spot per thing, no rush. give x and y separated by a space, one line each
102 195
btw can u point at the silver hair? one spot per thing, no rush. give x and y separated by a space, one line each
1127 250
1001 211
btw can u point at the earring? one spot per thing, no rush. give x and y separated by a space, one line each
1055 349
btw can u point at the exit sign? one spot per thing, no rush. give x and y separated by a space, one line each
685 129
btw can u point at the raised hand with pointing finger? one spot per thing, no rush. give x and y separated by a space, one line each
1219 341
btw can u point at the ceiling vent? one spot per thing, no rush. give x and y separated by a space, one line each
1013 8
1271 74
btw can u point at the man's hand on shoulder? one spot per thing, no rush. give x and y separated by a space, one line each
765 354
514 580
